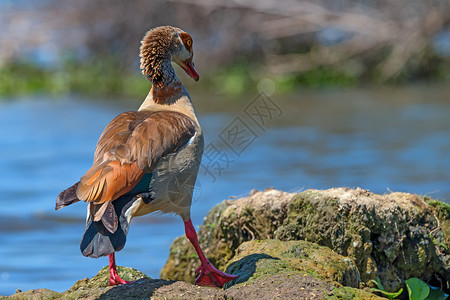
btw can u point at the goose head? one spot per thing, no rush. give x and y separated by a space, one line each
162 45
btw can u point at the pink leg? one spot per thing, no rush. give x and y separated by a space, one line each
114 278
207 274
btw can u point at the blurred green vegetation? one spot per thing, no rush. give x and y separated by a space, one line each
96 77
108 77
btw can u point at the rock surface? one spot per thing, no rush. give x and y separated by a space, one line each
280 282
312 245
395 236
256 259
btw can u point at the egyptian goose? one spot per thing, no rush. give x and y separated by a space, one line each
146 160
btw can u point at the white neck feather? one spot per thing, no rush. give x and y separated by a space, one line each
183 104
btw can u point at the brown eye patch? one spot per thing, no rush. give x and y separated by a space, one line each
187 40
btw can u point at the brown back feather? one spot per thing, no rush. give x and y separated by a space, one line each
131 145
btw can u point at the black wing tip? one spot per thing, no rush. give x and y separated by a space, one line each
67 197
59 201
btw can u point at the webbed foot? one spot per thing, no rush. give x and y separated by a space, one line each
208 275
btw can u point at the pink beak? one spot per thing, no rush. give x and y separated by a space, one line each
189 69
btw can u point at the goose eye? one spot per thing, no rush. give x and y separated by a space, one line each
189 43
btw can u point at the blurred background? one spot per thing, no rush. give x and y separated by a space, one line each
353 93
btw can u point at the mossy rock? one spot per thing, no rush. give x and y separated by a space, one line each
280 285
269 257
273 269
94 288
347 293
226 226
102 277
289 286
395 236
441 234
98 285
34 294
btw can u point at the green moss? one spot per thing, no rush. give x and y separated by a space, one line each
211 225
98 284
394 237
259 258
350 294
440 235
44 294
85 288
442 208
257 266
102 277
395 234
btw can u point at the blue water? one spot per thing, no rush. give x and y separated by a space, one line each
395 140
